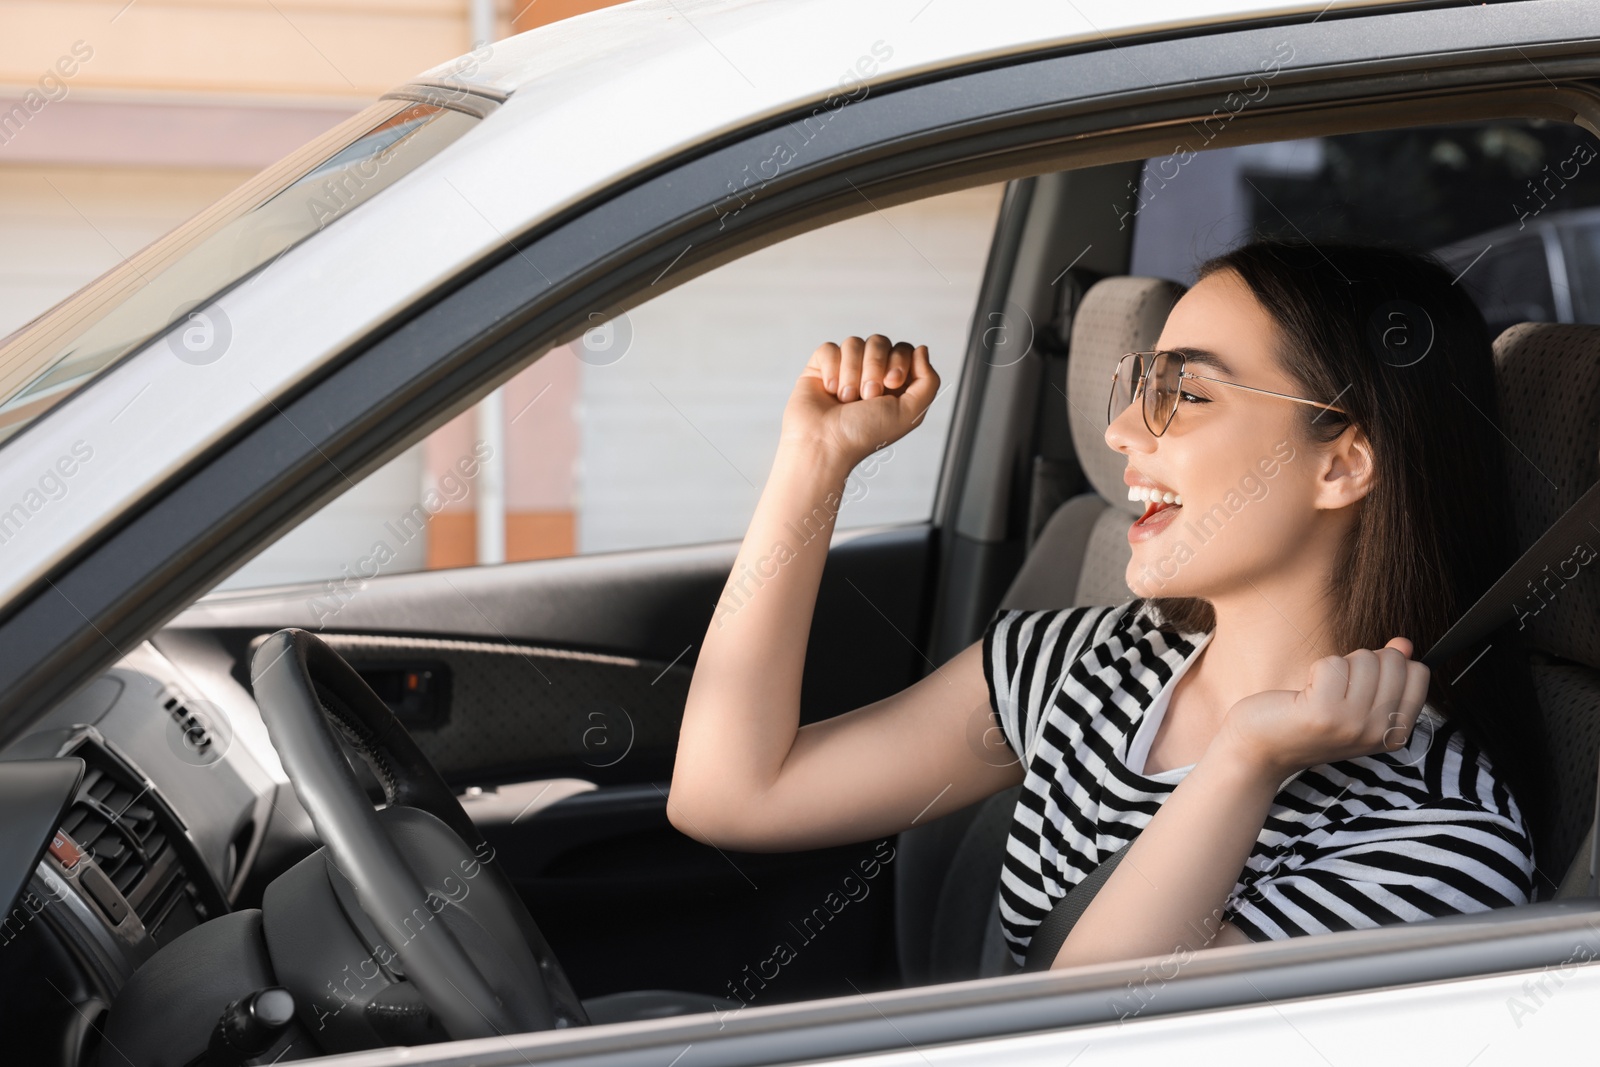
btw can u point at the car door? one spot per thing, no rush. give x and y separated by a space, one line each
610 482
1337 67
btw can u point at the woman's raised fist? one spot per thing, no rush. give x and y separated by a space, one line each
857 397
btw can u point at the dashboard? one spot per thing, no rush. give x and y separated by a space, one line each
179 790
184 815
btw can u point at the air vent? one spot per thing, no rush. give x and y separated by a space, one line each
139 844
195 734
109 821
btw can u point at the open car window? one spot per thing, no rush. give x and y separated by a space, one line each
656 426
1508 205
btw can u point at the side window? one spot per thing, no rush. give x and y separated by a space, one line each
1512 283
1580 242
1506 205
656 427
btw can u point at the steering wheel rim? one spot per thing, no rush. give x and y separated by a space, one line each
306 691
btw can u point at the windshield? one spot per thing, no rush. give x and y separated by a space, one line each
172 279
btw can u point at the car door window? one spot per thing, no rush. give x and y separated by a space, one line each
1513 284
1488 197
1580 247
656 426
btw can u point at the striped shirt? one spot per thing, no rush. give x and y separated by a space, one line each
1423 831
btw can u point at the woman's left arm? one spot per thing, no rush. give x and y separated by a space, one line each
1169 892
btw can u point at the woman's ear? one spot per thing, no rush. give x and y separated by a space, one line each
1347 470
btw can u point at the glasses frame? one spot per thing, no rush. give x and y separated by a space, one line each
1141 389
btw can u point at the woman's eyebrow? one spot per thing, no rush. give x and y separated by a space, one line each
1206 358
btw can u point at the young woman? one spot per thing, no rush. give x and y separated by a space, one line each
1314 439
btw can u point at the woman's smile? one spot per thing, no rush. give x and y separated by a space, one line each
1162 505
1158 515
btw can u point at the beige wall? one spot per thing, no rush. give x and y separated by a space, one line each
296 49
286 49
62 226
119 119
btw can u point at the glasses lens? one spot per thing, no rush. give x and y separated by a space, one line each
1124 385
1161 394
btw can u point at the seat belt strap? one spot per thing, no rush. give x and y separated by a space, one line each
1558 544
1052 932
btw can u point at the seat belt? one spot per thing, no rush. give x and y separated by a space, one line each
1555 546
1558 544
1497 606
1052 932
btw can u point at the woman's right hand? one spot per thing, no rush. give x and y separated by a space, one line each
855 398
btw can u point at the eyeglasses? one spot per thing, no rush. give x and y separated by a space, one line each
1162 374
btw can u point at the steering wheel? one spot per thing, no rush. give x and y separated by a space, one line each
486 971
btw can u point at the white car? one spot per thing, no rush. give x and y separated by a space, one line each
196 873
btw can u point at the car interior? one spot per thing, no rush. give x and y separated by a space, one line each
183 835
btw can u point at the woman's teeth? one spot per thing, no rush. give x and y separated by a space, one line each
1149 495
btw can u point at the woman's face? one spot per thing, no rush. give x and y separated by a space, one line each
1247 479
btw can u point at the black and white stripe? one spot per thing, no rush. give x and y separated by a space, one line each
1426 830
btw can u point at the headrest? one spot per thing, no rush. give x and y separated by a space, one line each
1548 376
1117 315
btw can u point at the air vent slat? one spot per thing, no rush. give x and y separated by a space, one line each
110 850
90 826
127 877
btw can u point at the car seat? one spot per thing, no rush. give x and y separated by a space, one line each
1548 379
948 875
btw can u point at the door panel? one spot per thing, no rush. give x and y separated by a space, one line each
628 902
650 608
511 711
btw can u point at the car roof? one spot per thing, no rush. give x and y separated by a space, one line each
775 55
651 80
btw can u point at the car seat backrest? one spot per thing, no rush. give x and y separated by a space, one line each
1082 552
1548 379
947 873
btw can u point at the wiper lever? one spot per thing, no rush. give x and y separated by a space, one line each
249 1026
